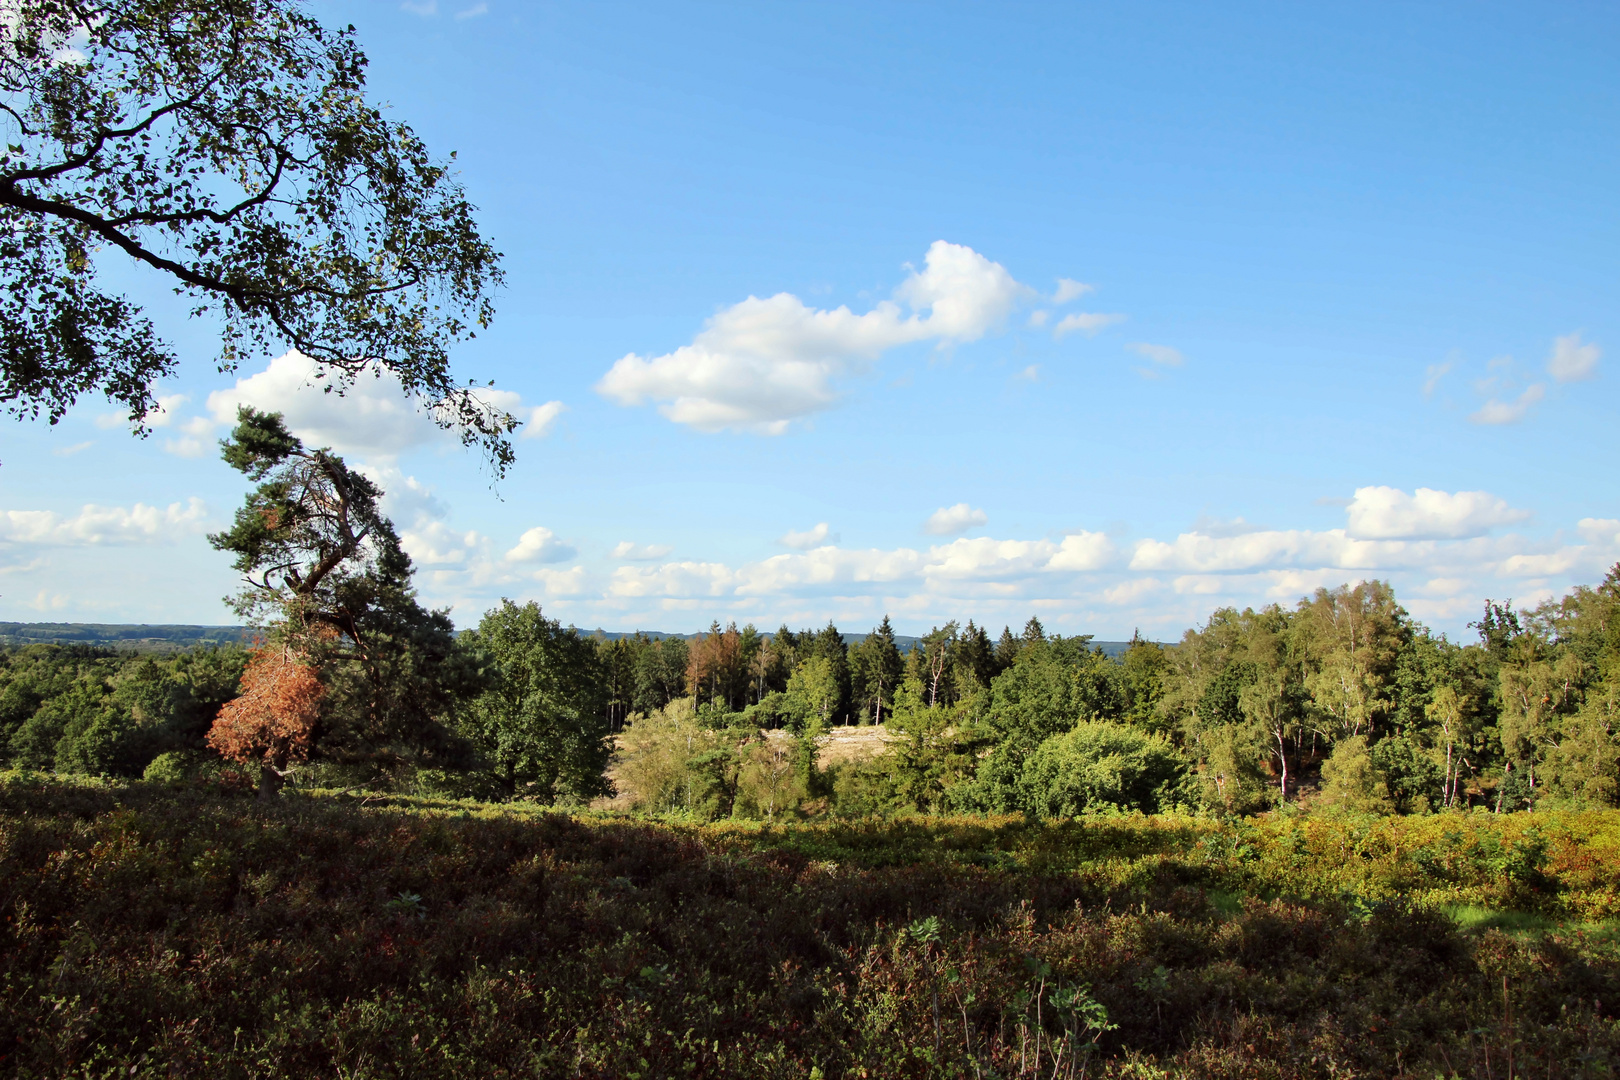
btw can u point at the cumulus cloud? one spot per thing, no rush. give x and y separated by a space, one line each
634 552
1069 289
1599 530
680 579
964 562
163 413
433 544
1495 411
542 418
810 538
1434 546
1039 316
1194 551
1572 359
473 12
1386 513
1163 355
571 582
1085 322
405 498
763 363
104 525
948 520
374 417
540 545
1131 592
196 439
1083 551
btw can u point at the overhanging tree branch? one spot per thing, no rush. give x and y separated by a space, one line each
228 146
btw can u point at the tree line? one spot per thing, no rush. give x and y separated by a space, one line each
1341 699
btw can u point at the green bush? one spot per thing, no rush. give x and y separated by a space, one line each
1101 766
173 767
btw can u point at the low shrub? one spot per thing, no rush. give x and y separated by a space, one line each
152 930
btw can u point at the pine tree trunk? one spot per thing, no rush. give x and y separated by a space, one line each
271 782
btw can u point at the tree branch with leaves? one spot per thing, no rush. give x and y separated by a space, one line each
229 146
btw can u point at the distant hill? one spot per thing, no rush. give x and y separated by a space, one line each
139 637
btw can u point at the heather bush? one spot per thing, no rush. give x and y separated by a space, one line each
152 930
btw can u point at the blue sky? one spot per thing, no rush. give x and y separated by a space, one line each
788 287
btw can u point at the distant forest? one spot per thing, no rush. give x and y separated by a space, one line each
1341 699
160 637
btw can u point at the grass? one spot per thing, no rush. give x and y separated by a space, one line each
147 931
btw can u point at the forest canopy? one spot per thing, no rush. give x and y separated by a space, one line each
1341 700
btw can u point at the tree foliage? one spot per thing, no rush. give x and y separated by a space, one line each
324 570
273 721
542 725
229 146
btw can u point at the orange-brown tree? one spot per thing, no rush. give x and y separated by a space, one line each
273 722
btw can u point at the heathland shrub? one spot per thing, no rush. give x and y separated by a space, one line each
151 931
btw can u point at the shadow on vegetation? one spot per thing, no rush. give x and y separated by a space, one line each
151 930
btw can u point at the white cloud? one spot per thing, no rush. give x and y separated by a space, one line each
1443 586
763 363
195 441
405 498
473 12
1029 374
570 582
104 525
1086 322
1069 289
948 520
540 545
1039 316
1081 579
810 538
1386 513
1163 355
978 558
1507 412
434 544
1194 551
971 563
1573 360
672 580
163 414
76 448
1130 592
1599 530
373 417
542 418
423 8
1083 551
633 552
